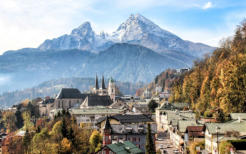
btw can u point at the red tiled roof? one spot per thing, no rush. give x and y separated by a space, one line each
195 128
195 131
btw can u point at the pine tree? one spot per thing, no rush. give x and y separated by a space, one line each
64 128
19 119
150 145
71 136
26 140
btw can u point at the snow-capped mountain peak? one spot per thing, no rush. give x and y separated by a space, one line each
135 30
136 27
83 30
137 20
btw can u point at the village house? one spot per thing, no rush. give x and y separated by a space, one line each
164 95
174 119
168 111
91 115
177 132
194 134
119 128
140 108
45 106
147 94
217 132
119 104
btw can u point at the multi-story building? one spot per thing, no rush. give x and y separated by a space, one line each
45 106
171 111
126 128
217 132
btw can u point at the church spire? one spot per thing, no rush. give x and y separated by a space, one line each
103 84
107 125
97 87
107 129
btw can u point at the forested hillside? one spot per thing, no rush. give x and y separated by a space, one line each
219 81
163 80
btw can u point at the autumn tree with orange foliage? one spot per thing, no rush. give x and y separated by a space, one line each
218 82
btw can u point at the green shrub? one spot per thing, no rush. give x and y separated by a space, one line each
193 145
224 147
208 114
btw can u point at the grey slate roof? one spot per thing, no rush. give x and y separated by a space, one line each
129 118
182 125
174 106
228 126
173 117
132 129
96 100
70 93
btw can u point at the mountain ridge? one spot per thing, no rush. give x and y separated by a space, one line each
135 30
124 62
52 87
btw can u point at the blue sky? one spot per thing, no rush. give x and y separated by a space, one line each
28 23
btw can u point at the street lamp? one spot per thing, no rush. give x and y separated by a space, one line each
217 132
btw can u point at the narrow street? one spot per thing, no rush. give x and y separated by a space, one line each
165 144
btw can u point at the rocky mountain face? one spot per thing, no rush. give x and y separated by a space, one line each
83 38
135 30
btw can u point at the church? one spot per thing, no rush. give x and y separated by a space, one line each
103 91
73 98
88 107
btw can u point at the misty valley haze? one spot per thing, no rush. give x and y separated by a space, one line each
136 52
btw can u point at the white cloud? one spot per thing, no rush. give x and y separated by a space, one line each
143 4
28 23
207 5
4 80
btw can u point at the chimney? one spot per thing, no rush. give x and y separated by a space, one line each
239 119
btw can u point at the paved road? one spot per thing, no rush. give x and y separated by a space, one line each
166 145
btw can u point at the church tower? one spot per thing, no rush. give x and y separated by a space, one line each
96 89
103 83
103 90
107 129
112 89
